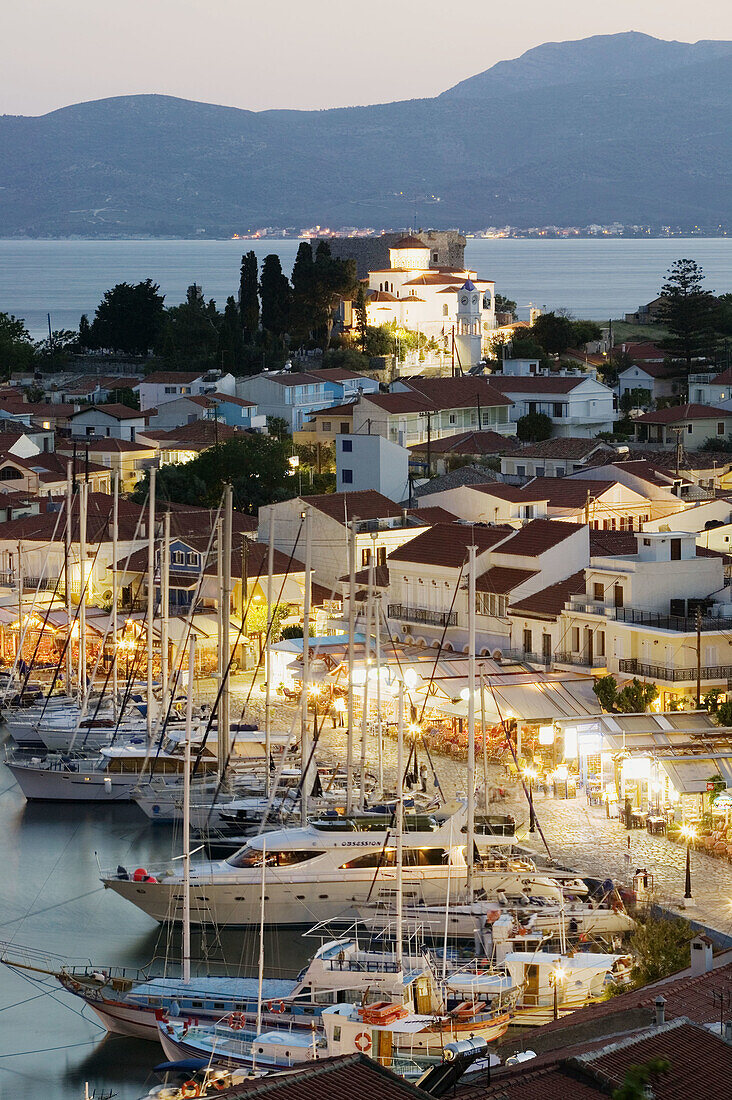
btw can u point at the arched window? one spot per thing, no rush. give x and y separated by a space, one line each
9 473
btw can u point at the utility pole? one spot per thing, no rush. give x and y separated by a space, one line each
245 596
304 731
224 716
351 630
698 657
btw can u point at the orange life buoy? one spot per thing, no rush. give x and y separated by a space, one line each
363 1041
219 1083
190 1088
276 1006
236 1021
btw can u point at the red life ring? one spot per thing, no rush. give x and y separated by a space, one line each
235 1021
363 1041
219 1083
190 1088
276 1006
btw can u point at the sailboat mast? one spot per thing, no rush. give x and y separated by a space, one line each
225 700
376 601
150 600
471 718
351 650
115 541
84 499
67 572
187 815
365 715
304 729
268 654
260 981
164 607
400 828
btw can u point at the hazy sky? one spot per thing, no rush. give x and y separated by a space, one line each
296 53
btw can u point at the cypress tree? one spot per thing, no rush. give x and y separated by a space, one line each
249 297
274 290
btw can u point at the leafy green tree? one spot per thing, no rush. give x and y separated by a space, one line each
16 349
249 297
84 332
332 280
553 332
125 395
361 318
275 293
256 465
52 354
723 713
346 359
724 314
585 332
638 1081
190 336
174 482
606 690
504 305
230 349
278 427
379 340
638 398
688 311
129 318
660 947
525 347
533 427
636 697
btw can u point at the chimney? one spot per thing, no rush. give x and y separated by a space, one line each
660 1013
702 955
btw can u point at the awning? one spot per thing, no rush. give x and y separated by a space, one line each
690 774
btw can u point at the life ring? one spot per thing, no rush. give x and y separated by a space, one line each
190 1088
363 1041
236 1021
276 1006
219 1083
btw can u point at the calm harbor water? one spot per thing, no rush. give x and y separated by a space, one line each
51 899
592 278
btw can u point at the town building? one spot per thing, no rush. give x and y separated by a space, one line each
472 446
115 420
708 388
372 462
162 386
129 460
422 409
654 380
688 425
293 396
575 402
553 457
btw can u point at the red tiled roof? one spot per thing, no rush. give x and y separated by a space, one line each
362 504
409 241
657 370
457 393
171 377
515 494
469 443
115 410
334 410
230 399
108 445
550 601
200 432
723 379
348 1077
382 296
612 543
335 374
680 413
563 447
399 402
432 514
644 350
502 579
508 383
567 492
538 536
447 544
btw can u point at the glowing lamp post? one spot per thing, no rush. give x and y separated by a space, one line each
531 774
689 835
556 976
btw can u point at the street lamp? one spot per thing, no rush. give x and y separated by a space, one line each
555 977
689 835
294 462
531 774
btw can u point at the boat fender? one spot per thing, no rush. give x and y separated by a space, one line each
363 1041
190 1088
276 1006
140 875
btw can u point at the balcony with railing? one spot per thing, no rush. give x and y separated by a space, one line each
422 615
580 660
686 624
674 675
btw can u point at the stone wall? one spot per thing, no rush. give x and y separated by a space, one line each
372 253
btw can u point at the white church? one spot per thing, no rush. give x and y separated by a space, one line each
445 303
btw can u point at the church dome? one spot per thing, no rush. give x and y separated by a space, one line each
410 242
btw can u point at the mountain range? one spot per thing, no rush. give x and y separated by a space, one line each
621 127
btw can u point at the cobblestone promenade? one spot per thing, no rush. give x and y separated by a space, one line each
578 836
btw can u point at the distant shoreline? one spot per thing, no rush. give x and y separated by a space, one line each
535 238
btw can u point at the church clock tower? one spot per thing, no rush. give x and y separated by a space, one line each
468 336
